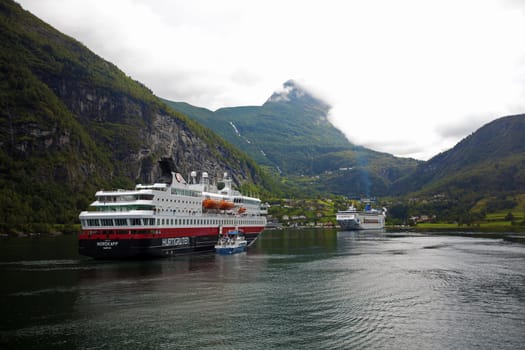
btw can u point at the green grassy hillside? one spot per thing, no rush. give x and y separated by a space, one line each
482 175
490 161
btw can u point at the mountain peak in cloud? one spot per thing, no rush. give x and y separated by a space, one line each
295 92
291 90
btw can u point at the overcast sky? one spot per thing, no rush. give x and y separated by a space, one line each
407 77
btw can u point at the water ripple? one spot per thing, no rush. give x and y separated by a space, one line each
343 291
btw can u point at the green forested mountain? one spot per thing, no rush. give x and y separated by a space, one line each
489 162
292 135
287 132
72 123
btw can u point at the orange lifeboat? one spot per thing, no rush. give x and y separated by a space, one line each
241 210
226 205
209 203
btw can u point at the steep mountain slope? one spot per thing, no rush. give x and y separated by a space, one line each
291 134
287 132
71 123
488 162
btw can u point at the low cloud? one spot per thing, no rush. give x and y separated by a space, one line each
245 77
459 128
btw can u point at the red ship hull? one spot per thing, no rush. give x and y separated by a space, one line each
154 243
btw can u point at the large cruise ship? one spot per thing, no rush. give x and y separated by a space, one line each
368 219
167 218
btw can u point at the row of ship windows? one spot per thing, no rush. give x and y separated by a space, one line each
246 201
179 210
185 192
191 211
145 207
161 222
124 198
178 201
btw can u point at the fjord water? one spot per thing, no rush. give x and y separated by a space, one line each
292 290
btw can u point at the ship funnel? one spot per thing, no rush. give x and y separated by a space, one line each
227 181
204 178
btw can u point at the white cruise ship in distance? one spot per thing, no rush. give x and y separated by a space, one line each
368 219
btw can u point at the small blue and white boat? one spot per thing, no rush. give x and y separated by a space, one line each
231 242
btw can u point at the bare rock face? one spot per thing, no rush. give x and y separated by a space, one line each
138 134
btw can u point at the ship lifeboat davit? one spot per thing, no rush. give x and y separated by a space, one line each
226 205
209 203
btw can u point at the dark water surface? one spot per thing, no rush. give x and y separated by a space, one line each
291 290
